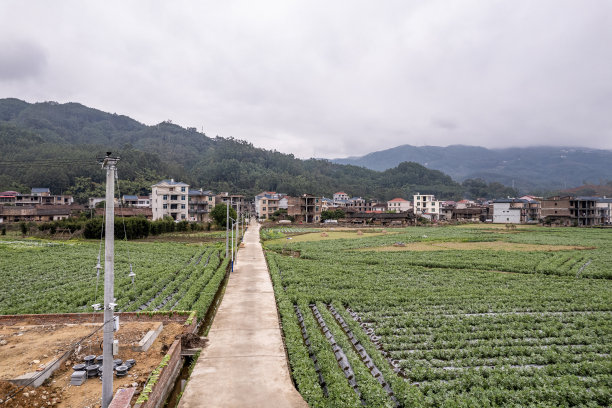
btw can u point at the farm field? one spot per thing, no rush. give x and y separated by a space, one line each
495 318
42 276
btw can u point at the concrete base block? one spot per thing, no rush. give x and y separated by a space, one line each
148 339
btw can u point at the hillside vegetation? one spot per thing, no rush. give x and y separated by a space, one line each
57 145
543 168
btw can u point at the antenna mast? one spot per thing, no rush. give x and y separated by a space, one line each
110 164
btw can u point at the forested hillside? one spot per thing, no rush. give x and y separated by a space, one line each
56 145
539 168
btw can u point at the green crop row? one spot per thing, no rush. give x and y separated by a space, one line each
466 327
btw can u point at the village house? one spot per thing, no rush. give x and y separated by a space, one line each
583 210
305 208
201 203
135 201
129 200
399 205
237 201
380 218
267 203
556 210
169 198
604 210
425 205
8 197
37 196
340 196
327 204
37 213
357 203
578 211
379 208
515 211
128 212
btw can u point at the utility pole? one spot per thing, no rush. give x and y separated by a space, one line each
227 204
238 221
110 164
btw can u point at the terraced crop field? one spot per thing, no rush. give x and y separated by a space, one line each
491 319
40 276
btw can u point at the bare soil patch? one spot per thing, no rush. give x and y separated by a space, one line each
471 246
31 347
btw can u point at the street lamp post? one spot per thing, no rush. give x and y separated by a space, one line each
234 223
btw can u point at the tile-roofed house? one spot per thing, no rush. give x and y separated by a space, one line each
340 196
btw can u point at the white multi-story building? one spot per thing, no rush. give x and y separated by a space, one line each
426 205
603 207
268 202
399 205
170 198
340 196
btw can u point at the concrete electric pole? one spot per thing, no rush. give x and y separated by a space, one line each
110 164
227 204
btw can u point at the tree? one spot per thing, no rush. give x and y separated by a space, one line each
219 213
332 214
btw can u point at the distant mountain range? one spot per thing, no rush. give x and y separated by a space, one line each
55 145
543 168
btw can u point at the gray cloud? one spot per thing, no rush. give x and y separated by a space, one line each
329 79
20 60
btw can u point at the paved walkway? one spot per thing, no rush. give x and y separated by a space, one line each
244 363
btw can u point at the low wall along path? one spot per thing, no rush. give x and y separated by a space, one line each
244 363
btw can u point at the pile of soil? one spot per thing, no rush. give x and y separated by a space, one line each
29 397
192 340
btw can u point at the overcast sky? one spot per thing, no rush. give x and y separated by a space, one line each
325 78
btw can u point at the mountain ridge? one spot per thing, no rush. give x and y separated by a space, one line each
56 145
544 168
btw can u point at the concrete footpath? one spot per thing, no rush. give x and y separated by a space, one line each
244 363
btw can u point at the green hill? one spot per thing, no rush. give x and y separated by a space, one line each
56 145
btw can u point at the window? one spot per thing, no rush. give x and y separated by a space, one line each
171 189
174 197
209 198
173 206
165 196
182 206
165 206
183 198
183 189
183 216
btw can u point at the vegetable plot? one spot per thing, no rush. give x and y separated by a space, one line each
43 277
452 328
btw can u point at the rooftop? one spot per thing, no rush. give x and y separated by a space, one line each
170 182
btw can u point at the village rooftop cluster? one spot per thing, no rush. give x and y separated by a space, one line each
170 198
